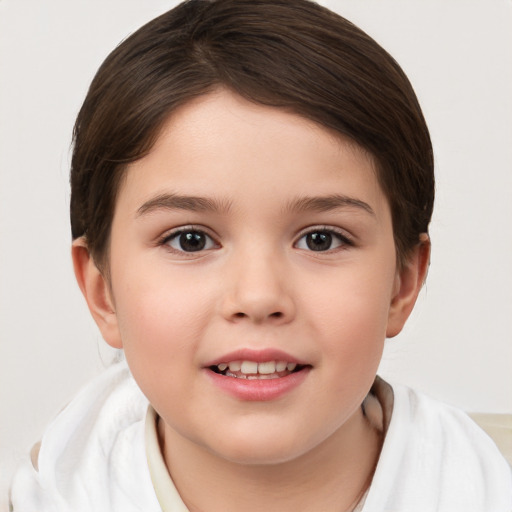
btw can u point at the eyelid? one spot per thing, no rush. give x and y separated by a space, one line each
346 238
170 234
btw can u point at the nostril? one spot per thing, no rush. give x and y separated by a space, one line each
276 314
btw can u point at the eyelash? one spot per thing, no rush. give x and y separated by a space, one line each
175 235
343 240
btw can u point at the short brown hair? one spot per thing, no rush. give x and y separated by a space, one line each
292 54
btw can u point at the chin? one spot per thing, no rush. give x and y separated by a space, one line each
252 457
262 450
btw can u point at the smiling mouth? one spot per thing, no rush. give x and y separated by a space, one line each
252 370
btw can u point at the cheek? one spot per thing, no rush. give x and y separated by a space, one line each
160 335
160 322
351 314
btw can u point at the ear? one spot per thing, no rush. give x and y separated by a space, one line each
408 283
96 290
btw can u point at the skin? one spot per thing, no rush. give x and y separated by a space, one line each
256 285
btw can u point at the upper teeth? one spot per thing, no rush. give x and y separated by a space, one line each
252 367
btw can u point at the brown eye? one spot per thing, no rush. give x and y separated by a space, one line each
190 241
322 240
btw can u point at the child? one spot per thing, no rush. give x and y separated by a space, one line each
252 184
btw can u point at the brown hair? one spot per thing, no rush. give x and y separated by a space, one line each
292 54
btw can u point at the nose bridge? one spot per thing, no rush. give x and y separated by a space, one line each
258 289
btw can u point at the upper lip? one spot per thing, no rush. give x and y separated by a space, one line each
258 356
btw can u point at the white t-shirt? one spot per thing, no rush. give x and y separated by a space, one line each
101 454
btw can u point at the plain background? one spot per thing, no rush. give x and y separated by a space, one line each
458 344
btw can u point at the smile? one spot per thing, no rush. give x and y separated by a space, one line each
253 370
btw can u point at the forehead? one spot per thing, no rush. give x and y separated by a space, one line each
223 145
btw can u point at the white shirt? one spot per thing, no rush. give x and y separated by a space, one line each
102 454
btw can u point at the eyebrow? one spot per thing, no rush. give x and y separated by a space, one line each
179 202
204 204
327 203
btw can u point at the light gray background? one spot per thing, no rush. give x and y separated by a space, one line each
458 344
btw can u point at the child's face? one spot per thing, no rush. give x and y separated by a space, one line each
249 233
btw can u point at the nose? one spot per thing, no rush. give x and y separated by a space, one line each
258 290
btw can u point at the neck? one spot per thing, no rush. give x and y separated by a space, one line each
333 476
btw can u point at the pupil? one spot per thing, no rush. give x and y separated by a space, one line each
319 241
192 241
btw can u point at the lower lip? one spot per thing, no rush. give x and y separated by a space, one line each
258 390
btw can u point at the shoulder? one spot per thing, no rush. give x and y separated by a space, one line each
92 456
436 456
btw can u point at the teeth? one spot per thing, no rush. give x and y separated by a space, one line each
280 366
249 367
234 366
236 375
263 377
267 368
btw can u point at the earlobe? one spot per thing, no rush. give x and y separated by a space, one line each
97 293
408 283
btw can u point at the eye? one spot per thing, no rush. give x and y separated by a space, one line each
189 240
322 240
